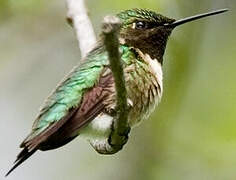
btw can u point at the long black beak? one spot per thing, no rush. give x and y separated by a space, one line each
193 18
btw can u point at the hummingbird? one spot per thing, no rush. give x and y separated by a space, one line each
83 104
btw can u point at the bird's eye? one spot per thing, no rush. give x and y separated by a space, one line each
141 25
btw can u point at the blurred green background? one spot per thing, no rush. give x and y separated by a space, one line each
191 135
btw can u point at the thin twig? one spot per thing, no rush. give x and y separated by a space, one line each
78 17
119 135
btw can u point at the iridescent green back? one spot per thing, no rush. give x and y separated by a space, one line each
70 91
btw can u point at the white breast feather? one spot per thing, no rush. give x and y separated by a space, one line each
156 68
98 128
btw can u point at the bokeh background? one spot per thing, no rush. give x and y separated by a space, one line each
191 135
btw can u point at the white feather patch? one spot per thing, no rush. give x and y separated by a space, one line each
99 128
156 68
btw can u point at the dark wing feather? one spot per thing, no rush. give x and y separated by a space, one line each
31 146
37 140
22 156
91 106
94 102
63 131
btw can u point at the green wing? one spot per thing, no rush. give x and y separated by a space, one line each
69 93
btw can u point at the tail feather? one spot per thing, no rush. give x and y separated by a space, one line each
22 156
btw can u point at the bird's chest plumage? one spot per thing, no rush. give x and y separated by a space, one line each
144 87
144 90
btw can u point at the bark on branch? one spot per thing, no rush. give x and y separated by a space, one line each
77 16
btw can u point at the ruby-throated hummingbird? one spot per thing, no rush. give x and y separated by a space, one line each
84 102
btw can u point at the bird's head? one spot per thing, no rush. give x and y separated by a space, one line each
145 30
148 31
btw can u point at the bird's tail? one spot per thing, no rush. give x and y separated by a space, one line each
22 156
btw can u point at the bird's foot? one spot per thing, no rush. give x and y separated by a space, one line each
117 141
108 145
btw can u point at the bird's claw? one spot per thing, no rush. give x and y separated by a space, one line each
122 139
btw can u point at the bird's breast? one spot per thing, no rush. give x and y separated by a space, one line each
144 86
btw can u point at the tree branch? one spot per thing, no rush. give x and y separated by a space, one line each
119 135
78 17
